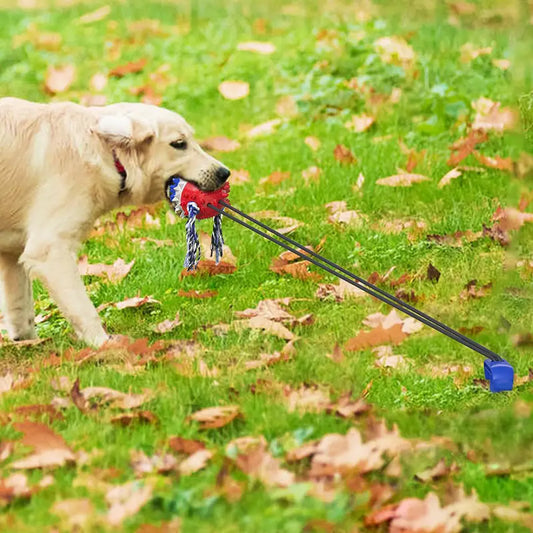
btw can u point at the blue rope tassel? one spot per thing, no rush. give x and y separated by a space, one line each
217 239
193 243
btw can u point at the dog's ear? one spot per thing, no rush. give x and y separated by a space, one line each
120 130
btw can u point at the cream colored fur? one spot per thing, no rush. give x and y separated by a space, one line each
57 175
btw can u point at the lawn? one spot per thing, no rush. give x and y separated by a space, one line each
345 95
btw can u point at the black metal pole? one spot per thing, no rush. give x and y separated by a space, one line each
360 283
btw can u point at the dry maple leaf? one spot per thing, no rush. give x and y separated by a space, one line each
287 107
346 407
114 273
234 90
259 464
395 50
98 82
116 399
135 301
344 155
339 292
239 177
59 79
194 462
313 142
265 359
270 309
265 128
50 449
502 64
142 464
76 512
197 294
391 361
376 337
258 47
220 144
168 325
307 399
359 123
402 180
186 446
129 68
215 417
469 52
440 470
344 453
448 177
463 147
94 16
210 268
311 174
471 290
275 178
509 218
126 419
497 162
490 116
126 500
271 327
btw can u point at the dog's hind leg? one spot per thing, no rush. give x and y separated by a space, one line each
17 304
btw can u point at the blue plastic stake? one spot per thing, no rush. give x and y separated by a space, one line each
500 375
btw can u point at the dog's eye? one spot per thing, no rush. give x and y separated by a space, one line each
179 145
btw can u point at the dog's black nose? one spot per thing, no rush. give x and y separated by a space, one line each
222 174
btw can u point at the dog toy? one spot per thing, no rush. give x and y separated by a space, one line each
190 202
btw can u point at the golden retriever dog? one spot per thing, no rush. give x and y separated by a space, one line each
63 165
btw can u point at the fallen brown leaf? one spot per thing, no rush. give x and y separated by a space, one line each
402 180
495 162
135 301
360 123
234 90
255 461
448 177
220 144
95 16
76 512
463 147
114 273
491 116
239 177
395 50
168 325
50 449
197 294
59 79
13 487
258 47
265 128
129 68
126 419
313 143
469 52
187 446
439 471
344 155
196 461
126 500
215 417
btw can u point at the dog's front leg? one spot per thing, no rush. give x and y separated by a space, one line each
17 298
55 264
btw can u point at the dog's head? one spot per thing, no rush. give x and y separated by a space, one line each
154 145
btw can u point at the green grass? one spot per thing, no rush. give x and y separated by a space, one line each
199 43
